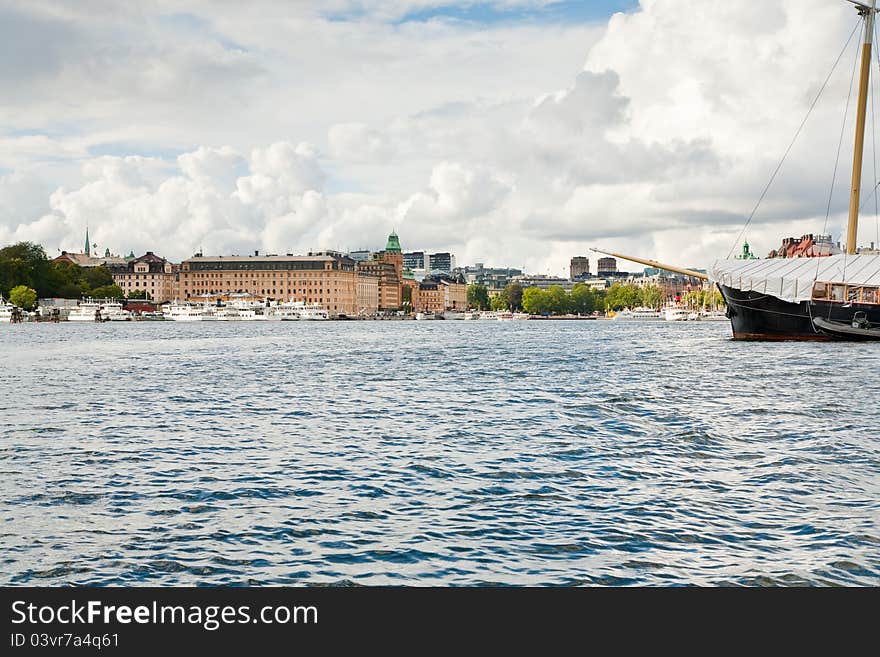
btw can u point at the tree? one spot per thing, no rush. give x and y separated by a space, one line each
535 301
24 263
138 294
107 292
651 296
64 280
478 296
557 300
23 296
582 300
514 294
621 296
499 301
96 277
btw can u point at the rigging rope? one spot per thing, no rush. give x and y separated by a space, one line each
837 158
796 135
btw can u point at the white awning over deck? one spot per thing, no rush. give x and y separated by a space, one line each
791 279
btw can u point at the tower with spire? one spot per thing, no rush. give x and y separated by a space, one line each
88 249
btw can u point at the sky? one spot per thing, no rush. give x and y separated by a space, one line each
511 132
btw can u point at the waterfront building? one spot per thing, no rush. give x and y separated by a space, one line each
606 267
579 267
437 293
387 267
327 278
367 294
149 273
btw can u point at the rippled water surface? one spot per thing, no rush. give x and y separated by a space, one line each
435 453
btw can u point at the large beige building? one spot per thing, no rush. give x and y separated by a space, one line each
439 293
387 266
327 278
149 273
367 294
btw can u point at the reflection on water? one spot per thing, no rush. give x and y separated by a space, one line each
435 453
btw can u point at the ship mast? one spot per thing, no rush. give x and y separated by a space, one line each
867 12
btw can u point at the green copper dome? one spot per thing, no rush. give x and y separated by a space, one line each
393 243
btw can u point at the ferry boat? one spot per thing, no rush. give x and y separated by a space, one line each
639 314
425 316
312 313
187 312
113 311
6 309
676 314
88 310
453 314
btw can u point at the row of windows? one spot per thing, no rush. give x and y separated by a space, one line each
268 266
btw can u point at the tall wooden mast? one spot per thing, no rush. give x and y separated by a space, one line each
867 12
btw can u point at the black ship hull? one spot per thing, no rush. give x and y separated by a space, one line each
758 316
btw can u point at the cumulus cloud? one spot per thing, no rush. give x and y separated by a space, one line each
518 143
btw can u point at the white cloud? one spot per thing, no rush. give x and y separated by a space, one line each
297 127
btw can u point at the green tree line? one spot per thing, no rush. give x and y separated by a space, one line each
582 300
26 263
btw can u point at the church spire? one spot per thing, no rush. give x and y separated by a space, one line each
87 250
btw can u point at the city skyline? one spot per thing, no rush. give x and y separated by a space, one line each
524 128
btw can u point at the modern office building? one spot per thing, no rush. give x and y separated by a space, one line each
441 263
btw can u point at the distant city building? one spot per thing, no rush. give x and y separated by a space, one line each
606 266
148 273
579 267
361 255
494 278
807 246
86 259
414 260
326 278
543 282
440 262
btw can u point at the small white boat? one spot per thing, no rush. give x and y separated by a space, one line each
312 312
188 312
676 314
453 314
423 316
114 311
6 309
639 314
88 310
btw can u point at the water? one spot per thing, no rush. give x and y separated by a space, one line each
435 453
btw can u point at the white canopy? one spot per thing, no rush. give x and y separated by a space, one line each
791 279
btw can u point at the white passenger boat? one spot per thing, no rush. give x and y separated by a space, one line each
312 312
425 316
88 310
114 311
676 314
188 312
225 313
639 314
453 314
6 309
